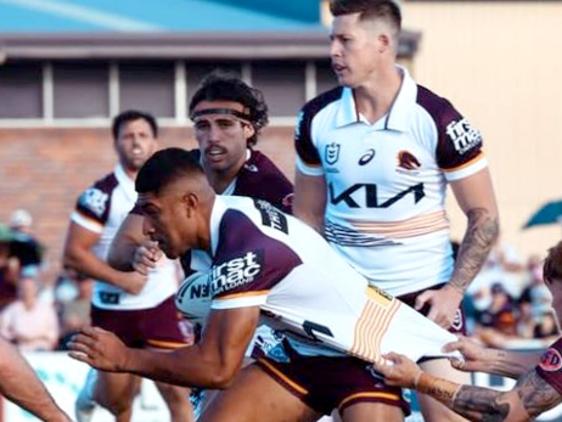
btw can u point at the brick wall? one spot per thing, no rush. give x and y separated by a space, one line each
43 170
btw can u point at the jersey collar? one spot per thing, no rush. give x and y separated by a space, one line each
125 181
219 208
397 118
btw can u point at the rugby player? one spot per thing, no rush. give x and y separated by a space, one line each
374 158
228 116
139 308
269 264
539 384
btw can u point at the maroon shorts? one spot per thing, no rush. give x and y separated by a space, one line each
326 383
157 327
459 323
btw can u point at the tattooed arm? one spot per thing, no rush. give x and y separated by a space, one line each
476 198
493 361
531 396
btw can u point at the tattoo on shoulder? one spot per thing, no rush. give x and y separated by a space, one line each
480 404
536 394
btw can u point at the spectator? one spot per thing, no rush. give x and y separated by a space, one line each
9 269
24 245
30 324
499 321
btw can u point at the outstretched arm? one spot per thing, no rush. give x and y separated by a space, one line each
531 396
478 358
211 363
18 383
475 196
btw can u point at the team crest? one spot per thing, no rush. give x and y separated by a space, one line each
407 161
332 153
551 361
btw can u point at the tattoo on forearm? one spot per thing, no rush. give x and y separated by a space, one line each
481 233
536 394
438 388
481 404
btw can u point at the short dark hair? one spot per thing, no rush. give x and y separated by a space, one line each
384 9
552 267
222 86
166 166
129 116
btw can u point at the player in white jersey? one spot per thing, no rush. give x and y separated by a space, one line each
139 309
264 262
375 157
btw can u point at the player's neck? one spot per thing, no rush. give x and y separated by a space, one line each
204 237
220 180
375 97
131 173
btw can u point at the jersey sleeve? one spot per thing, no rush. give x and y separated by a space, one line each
308 160
248 263
459 145
92 209
550 366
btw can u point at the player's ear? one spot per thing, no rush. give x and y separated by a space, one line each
383 42
190 202
249 130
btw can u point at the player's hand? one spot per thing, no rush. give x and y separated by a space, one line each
100 349
146 256
475 355
133 282
443 303
399 370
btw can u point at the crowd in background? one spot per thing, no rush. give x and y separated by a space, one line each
508 302
35 313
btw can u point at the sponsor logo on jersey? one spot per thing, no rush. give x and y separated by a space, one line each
367 157
271 216
236 272
463 135
332 153
407 161
551 360
371 197
94 200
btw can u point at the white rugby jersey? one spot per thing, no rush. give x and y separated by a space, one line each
263 257
386 182
101 209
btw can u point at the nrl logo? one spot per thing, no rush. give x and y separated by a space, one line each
332 153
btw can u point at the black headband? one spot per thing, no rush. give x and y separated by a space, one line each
230 111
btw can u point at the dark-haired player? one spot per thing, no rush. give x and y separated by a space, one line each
266 264
139 308
375 156
227 116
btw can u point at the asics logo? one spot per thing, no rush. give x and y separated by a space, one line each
367 157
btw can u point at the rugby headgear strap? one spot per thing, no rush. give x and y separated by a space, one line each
230 111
